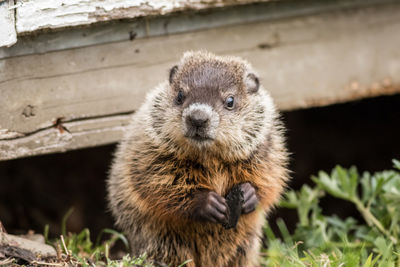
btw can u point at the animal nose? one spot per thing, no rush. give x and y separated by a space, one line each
198 119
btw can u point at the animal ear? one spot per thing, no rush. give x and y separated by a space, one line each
252 83
172 73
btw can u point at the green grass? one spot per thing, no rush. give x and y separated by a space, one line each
318 240
77 249
327 240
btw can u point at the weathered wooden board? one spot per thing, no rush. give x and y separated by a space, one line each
45 14
8 35
304 61
65 136
150 26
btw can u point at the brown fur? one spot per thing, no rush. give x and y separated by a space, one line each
157 172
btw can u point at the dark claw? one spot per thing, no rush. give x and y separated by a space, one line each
250 198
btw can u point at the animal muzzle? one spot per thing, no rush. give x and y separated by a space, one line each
200 122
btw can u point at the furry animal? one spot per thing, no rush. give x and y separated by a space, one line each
209 128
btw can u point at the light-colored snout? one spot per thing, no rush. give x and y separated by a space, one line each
198 119
200 122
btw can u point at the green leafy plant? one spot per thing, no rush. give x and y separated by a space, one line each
321 240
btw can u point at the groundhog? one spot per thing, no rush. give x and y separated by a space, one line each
200 166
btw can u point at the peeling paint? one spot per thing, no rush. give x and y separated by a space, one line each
39 14
8 35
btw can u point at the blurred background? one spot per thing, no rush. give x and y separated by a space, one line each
72 73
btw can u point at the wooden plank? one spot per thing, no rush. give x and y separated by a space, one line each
64 136
45 14
8 35
139 28
306 61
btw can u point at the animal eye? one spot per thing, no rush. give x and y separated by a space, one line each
179 98
230 102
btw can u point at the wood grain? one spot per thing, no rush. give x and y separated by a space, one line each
303 61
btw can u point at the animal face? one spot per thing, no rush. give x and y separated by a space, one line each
212 102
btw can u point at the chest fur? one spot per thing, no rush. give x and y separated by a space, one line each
221 178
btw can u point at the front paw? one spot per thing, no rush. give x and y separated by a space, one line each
250 198
209 206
